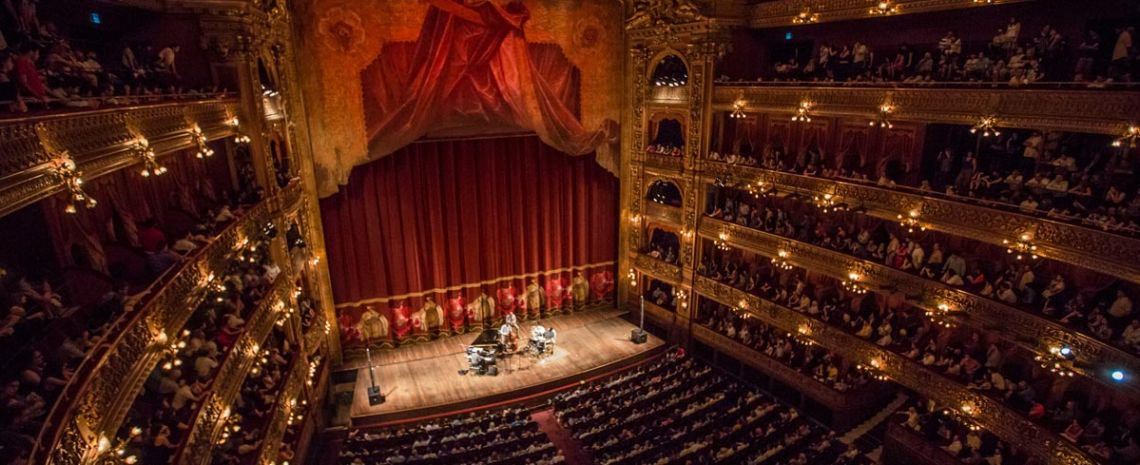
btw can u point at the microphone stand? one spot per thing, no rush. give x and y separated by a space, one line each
374 395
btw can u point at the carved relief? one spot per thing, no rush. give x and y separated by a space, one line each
663 12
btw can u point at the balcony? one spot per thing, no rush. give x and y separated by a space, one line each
987 412
106 383
902 442
845 406
211 415
784 12
663 213
282 412
1033 332
99 141
663 163
1074 244
1086 111
667 272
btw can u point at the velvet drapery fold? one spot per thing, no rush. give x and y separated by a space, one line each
471 71
450 220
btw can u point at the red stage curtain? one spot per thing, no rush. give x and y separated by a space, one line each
472 69
441 219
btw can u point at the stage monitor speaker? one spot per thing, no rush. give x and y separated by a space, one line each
639 336
374 396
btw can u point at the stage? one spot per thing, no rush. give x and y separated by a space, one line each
423 379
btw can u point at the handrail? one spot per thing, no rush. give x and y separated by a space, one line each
1077 245
986 411
1038 85
164 100
270 441
834 399
97 382
1024 328
236 366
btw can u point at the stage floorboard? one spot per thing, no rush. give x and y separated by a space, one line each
424 377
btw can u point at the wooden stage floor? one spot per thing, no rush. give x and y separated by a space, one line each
423 378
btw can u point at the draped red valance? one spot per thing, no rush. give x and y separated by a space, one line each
471 71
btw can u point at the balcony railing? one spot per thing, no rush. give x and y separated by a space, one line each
985 411
283 408
916 448
659 269
664 213
666 163
99 141
1030 331
784 12
206 427
1070 243
103 387
837 402
1062 110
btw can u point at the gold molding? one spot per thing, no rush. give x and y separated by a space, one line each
106 384
1081 246
1088 111
993 415
1028 330
100 142
206 427
783 12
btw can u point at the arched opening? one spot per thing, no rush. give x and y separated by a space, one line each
665 193
671 72
663 245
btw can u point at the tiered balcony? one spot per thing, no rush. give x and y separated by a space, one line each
1033 332
99 141
983 410
1070 243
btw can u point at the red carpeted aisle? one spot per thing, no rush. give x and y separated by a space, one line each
571 449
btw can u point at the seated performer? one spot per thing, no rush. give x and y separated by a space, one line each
512 320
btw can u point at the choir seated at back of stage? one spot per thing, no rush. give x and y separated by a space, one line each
431 316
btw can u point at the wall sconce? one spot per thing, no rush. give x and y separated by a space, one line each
1059 360
851 284
802 115
632 278
940 315
781 260
987 125
874 369
634 219
828 204
758 189
681 297
149 159
883 8
230 426
1130 136
721 242
910 222
805 17
738 109
239 138
199 137
884 119
116 453
63 170
1022 247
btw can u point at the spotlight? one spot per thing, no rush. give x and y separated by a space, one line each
1118 375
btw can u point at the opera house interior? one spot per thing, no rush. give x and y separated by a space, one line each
569 232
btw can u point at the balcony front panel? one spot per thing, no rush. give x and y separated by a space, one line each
1061 110
1074 244
99 141
275 429
655 268
784 12
206 428
664 213
989 413
1031 331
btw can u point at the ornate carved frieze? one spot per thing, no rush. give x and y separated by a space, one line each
275 429
1033 332
663 213
834 400
658 269
663 163
99 141
207 426
1086 111
989 413
105 385
785 12
1074 244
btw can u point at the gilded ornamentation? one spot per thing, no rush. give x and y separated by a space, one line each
998 418
1063 110
1031 331
647 13
666 272
787 12
341 29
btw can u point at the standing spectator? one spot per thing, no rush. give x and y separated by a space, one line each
1122 54
1086 56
